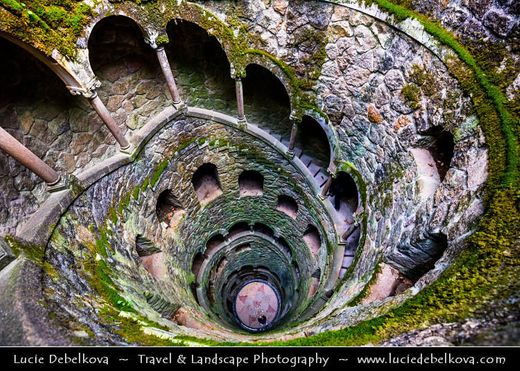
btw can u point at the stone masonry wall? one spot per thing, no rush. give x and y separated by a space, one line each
105 227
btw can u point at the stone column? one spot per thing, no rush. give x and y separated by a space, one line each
167 71
240 99
109 121
28 159
294 133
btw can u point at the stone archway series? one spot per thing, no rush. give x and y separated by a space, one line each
283 172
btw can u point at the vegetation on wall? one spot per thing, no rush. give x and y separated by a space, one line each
483 271
490 102
480 273
46 24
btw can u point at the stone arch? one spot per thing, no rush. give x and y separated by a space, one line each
287 205
64 72
237 228
206 183
117 35
151 257
312 239
35 111
315 282
344 195
284 246
197 261
267 100
213 243
278 69
251 183
264 229
145 247
127 69
314 141
168 208
441 146
201 66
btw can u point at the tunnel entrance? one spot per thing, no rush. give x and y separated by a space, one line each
441 149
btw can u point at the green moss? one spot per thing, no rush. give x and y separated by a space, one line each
483 271
32 252
46 24
145 184
125 202
158 171
423 79
162 40
51 271
130 328
102 245
412 94
489 101
136 192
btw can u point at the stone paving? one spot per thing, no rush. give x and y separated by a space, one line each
256 305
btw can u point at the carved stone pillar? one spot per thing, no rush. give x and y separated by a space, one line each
22 154
240 99
109 121
294 133
167 72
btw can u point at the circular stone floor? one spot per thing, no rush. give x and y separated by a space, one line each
257 305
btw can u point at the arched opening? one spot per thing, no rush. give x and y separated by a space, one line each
284 246
206 183
151 257
287 205
264 229
315 282
145 247
201 67
266 101
213 243
314 145
198 259
37 109
441 149
238 228
312 239
132 84
343 194
169 209
417 257
251 183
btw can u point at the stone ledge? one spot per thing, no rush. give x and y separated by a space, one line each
6 255
24 318
38 228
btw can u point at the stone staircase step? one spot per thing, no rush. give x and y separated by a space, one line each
297 152
321 177
277 136
315 169
306 159
347 260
